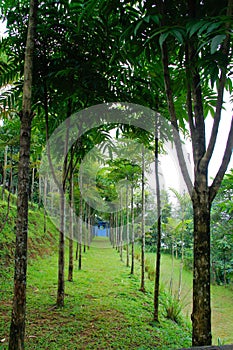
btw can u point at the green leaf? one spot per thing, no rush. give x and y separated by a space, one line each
204 27
147 19
192 29
163 37
213 26
215 42
155 18
178 35
137 27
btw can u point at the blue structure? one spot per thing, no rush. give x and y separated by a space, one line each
102 229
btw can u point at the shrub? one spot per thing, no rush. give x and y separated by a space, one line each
172 309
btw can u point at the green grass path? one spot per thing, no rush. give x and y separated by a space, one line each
104 308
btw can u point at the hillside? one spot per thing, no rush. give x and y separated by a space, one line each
39 242
104 308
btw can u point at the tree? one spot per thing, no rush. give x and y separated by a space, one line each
142 286
71 216
221 228
194 42
17 328
159 226
201 193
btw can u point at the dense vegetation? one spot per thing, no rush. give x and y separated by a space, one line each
171 63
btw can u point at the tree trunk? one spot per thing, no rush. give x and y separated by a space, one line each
71 226
17 328
201 315
40 191
143 243
159 228
4 172
111 222
172 271
117 233
181 263
89 227
61 250
32 186
2 224
127 227
61 254
121 228
132 233
80 229
45 200
76 252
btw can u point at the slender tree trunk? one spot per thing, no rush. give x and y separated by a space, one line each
2 224
112 230
4 172
76 252
201 315
117 233
32 186
40 191
80 230
71 218
89 227
45 200
181 264
61 249
127 227
80 256
143 243
61 254
172 271
224 268
11 171
17 328
121 229
132 233
84 228
159 228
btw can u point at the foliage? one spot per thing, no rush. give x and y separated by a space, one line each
172 309
98 51
221 233
38 245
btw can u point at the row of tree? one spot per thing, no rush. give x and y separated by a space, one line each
172 57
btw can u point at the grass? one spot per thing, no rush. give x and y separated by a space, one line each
104 308
222 297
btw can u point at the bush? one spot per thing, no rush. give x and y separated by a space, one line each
172 308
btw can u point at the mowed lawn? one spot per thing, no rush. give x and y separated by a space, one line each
104 308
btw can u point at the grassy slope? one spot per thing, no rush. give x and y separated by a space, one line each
103 307
222 298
